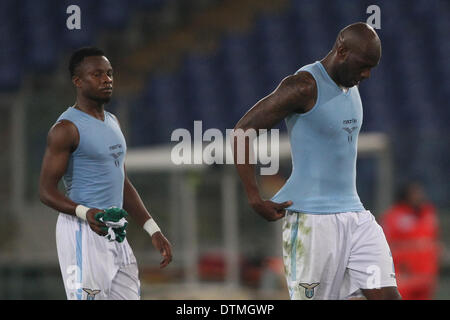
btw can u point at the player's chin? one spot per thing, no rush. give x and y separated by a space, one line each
351 83
105 97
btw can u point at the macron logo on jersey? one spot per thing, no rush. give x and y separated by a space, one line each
116 155
349 129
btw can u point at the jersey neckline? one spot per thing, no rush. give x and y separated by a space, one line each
91 116
324 71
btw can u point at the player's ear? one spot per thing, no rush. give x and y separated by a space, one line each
76 81
342 51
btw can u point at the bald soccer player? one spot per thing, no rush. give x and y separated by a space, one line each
86 149
332 247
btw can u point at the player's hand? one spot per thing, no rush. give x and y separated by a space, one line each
164 247
95 225
269 210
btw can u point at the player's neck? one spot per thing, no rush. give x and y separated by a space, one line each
91 107
328 64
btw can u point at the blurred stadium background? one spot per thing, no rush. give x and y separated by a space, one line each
177 61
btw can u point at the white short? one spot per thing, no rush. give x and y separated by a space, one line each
333 256
93 267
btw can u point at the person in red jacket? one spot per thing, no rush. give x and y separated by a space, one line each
411 230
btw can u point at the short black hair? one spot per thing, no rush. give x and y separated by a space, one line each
78 56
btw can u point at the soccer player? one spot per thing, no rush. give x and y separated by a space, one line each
86 148
332 247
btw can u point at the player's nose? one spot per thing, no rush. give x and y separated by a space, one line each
107 78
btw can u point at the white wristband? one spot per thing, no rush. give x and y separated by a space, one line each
81 211
151 227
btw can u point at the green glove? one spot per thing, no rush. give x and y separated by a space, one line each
116 225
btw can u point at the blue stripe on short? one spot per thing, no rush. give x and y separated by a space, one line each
79 254
294 232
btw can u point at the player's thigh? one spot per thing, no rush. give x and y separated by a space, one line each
126 285
386 293
370 265
69 249
314 255
86 261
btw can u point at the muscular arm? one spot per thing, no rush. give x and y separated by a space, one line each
61 141
132 203
295 94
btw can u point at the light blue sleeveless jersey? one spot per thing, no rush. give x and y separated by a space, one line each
95 173
324 148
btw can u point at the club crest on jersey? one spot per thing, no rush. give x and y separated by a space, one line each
309 288
91 293
350 131
116 155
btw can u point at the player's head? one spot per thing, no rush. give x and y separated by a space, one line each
357 50
92 74
412 193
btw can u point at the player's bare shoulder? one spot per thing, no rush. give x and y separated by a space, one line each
63 135
301 90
